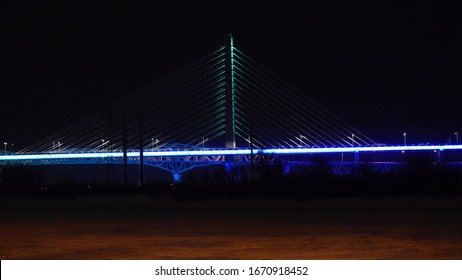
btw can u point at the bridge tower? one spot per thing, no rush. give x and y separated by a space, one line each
230 121
230 132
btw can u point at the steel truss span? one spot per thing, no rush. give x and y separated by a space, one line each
179 161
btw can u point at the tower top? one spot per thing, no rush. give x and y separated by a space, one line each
231 39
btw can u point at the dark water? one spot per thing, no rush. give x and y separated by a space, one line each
141 227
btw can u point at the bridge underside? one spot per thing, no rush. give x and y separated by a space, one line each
348 163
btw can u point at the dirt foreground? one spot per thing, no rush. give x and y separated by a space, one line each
141 227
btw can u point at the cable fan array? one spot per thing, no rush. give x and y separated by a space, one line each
188 106
273 114
185 107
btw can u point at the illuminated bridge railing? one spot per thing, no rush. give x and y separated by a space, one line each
218 153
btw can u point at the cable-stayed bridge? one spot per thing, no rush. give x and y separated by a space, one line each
224 108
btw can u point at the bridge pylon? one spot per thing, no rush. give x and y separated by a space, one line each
230 130
230 142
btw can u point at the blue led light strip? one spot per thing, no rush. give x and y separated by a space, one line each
228 152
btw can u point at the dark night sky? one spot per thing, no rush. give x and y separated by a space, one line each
383 69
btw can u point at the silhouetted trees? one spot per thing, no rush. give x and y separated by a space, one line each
272 178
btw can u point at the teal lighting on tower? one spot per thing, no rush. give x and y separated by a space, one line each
230 141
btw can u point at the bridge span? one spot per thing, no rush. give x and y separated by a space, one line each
341 160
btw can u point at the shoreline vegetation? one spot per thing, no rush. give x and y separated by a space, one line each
269 178
206 184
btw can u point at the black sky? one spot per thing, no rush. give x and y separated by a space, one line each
384 68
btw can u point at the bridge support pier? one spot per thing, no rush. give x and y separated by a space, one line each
232 173
1 175
125 159
440 156
356 169
141 169
229 172
286 169
176 178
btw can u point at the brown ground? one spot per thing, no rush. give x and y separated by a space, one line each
140 227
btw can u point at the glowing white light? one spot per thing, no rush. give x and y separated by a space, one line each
227 152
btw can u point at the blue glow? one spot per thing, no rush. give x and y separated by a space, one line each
362 149
227 152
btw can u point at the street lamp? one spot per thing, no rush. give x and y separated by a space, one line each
154 143
203 142
404 135
457 137
5 143
352 139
